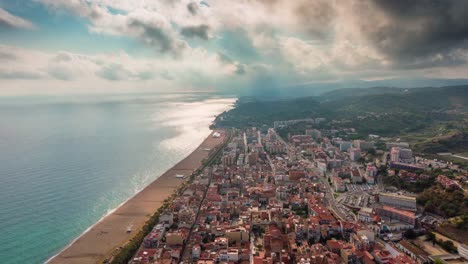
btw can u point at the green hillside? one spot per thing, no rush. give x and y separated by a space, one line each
432 119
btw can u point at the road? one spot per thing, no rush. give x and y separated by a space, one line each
246 149
184 254
460 157
329 197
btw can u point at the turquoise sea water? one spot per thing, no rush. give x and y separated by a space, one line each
65 162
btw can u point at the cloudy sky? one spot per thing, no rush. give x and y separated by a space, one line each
237 46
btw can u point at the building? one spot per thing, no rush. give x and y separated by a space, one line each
365 215
395 154
175 238
406 154
371 172
354 154
447 183
463 250
356 176
406 166
295 175
398 201
339 184
196 251
364 145
237 235
252 158
396 214
228 255
229 158
345 145
314 133
414 252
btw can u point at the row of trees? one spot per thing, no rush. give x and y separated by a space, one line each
445 244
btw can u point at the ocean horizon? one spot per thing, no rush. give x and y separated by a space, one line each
68 161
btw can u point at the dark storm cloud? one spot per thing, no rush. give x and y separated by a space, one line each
419 30
154 35
225 59
240 69
316 17
192 8
200 31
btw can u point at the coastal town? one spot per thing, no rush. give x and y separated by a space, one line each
313 197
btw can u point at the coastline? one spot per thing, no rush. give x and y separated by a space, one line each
101 239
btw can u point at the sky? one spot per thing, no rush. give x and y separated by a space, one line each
260 47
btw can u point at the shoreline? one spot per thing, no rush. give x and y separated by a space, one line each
109 232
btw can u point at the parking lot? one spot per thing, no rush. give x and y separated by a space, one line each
357 196
359 187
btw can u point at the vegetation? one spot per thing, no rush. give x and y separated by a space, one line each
129 250
431 237
461 222
410 234
432 119
447 245
301 211
415 187
442 202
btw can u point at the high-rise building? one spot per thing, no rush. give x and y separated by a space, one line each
354 154
345 145
363 145
395 154
406 154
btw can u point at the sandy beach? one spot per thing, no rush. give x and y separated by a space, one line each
111 232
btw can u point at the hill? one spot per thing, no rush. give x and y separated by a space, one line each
432 119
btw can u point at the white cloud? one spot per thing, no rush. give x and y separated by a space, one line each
104 70
10 20
293 41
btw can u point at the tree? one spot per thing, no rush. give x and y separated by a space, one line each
431 237
410 234
448 245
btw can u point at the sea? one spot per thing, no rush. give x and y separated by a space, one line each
67 161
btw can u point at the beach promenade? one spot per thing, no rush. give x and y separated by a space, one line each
111 232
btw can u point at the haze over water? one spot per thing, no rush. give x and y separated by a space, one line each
68 161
